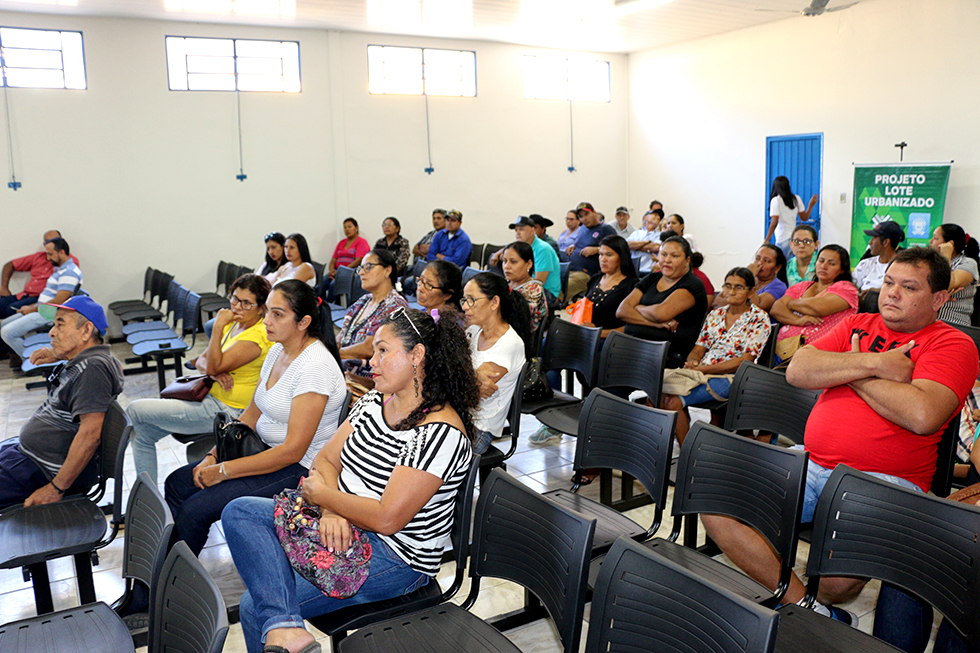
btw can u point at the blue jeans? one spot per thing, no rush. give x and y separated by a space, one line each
483 440
700 394
20 476
194 510
16 327
10 303
155 419
277 596
209 327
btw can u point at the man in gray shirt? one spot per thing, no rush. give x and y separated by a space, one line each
55 452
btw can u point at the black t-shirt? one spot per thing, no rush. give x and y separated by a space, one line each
605 302
688 323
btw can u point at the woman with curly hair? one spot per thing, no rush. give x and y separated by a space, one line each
392 470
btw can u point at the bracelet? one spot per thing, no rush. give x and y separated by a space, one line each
221 468
212 455
57 489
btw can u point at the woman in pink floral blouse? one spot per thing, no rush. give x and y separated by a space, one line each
730 336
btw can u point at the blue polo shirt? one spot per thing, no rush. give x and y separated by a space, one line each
546 260
456 248
586 237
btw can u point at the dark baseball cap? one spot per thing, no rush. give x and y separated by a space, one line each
623 209
584 206
890 230
82 304
521 221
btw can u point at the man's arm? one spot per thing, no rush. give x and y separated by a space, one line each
921 406
8 271
83 447
815 369
60 298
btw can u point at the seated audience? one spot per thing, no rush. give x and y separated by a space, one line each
546 266
960 250
275 256
675 223
394 242
669 304
236 351
392 469
441 289
451 244
421 248
65 276
584 252
541 223
769 268
812 308
298 262
567 238
697 260
891 382
731 335
803 264
294 410
348 252
645 241
55 453
622 222
868 273
499 332
519 265
39 267
378 276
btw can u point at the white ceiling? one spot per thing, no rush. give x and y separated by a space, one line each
566 24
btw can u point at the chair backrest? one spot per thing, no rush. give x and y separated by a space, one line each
148 283
345 408
476 255
485 254
761 398
865 527
563 269
116 430
356 290
616 433
971 331
190 319
645 602
219 278
538 335
469 273
524 537
343 284
572 347
187 613
231 273
721 473
630 362
161 287
175 302
244 269
147 535
942 480
767 357
459 536
318 270
514 412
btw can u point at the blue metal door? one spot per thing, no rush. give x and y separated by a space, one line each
800 159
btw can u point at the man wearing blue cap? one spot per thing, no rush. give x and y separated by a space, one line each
55 451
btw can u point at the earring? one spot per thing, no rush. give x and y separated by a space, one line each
415 370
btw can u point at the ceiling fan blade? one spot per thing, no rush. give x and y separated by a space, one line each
841 7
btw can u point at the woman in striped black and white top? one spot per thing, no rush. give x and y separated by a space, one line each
392 469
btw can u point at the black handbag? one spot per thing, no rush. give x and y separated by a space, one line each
233 439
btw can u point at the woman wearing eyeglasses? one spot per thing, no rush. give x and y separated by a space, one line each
234 357
803 265
440 287
730 336
500 335
378 273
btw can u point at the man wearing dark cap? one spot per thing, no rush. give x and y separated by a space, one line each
55 451
546 267
622 224
451 244
540 224
870 272
585 252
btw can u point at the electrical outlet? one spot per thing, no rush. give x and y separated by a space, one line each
843 198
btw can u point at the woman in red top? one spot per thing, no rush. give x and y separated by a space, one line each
348 252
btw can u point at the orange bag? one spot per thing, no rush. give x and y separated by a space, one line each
581 311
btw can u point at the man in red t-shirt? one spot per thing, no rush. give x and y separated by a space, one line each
893 381
40 268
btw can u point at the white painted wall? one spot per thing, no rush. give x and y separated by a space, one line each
876 74
137 175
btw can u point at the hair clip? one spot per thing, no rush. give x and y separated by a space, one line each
435 315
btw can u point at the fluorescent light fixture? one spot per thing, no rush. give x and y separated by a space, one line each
626 7
62 3
241 7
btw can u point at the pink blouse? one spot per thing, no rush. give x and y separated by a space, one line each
844 289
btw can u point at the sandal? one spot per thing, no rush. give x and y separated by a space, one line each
312 647
584 477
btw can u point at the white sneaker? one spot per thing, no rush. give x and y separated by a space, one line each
544 435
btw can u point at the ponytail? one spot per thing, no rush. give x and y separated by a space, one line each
303 301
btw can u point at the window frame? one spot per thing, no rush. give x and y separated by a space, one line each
81 36
568 60
476 88
299 65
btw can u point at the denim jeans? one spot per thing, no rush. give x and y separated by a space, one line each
194 510
700 394
155 419
277 596
16 327
10 303
209 327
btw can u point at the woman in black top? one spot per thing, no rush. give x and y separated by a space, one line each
615 281
668 305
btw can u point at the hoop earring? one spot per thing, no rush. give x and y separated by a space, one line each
415 370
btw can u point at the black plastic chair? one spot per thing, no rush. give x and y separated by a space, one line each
942 480
767 357
518 536
494 457
564 267
761 398
176 296
144 300
151 311
615 433
573 348
469 273
476 255
645 602
972 331
762 485
167 346
485 254
74 526
207 298
625 363
187 613
338 623
868 528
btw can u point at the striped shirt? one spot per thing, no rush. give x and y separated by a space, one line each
370 455
64 277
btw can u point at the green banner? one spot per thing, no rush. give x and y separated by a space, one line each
913 195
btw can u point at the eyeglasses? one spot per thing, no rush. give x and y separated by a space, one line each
802 241
398 312
245 304
366 267
422 281
730 288
468 302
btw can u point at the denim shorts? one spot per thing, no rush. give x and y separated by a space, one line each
816 478
700 394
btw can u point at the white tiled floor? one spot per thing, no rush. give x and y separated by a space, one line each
541 468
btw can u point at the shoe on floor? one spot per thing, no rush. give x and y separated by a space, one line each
837 614
544 435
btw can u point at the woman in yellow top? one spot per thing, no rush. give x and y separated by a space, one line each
233 359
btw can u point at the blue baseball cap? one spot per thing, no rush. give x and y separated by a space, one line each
80 304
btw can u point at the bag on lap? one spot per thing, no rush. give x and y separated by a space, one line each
188 388
234 439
